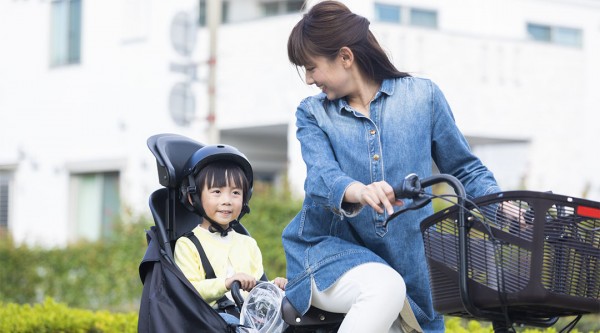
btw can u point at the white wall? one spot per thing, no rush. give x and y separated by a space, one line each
97 115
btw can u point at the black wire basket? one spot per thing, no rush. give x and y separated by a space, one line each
530 255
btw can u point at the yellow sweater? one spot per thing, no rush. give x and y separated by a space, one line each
235 253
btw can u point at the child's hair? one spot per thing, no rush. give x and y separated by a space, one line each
220 174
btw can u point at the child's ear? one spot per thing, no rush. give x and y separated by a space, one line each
190 199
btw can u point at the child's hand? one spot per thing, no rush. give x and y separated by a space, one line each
247 282
280 282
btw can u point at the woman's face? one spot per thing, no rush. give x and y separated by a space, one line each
329 75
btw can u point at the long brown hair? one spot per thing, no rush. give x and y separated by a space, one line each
330 25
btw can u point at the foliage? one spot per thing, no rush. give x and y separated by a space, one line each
271 211
588 324
51 316
92 275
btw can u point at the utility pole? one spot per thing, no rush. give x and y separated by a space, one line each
213 19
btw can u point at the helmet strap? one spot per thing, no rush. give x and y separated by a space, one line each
217 228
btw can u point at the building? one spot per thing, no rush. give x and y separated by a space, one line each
83 84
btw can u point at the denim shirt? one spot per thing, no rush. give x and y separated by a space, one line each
410 126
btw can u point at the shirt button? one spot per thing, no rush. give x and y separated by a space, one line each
372 132
376 157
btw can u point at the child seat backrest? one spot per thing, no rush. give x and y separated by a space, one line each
171 152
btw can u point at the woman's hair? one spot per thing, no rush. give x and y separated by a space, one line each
220 174
330 25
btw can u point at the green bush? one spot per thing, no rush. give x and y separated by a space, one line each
270 212
91 275
51 316
588 324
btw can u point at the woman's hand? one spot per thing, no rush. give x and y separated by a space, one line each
379 195
247 282
280 282
517 214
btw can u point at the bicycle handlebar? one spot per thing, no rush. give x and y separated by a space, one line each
236 294
414 188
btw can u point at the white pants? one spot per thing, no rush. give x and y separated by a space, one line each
372 296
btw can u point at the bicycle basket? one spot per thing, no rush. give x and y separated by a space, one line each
533 254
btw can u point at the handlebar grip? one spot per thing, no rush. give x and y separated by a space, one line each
236 293
410 187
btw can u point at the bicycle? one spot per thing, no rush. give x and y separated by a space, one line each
512 257
516 257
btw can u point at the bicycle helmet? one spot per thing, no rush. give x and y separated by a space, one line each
201 158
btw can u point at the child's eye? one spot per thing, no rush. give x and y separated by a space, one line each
237 192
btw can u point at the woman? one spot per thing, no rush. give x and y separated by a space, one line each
370 127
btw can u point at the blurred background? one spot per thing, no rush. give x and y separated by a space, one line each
84 83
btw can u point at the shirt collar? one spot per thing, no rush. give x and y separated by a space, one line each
387 87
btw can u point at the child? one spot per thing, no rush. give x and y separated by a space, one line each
217 185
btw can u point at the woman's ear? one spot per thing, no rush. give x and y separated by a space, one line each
347 56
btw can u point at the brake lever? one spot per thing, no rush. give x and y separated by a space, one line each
417 203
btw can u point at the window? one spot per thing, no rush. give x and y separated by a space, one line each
423 18
95 204
6 177
556 35
396 14
202 11
387 13
539 32
293 6
272 8
568 36
65 32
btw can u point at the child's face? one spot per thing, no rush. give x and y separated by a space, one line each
222 204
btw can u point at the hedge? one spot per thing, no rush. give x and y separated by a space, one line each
50 316
91 275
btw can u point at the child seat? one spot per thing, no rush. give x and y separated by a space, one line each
169 301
